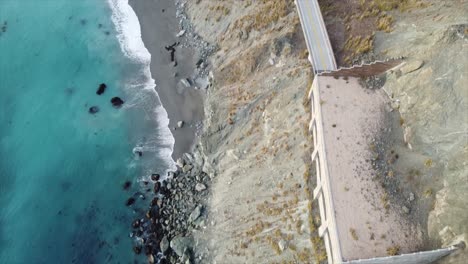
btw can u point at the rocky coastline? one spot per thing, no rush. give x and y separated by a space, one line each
175 204
258 210
164 232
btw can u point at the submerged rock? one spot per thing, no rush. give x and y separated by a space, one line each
101 89
93 110
137 250
130 201
127 185
117 102
136 223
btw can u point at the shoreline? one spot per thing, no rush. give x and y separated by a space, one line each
159 28
251 165
180 70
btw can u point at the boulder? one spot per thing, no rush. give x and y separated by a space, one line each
188 157
117 102
101 89
200 187
186 82
180 162
181 244
411 66
180 34
186 168
405 209
150 259
282 244
180 124
195 213
164 244
203 83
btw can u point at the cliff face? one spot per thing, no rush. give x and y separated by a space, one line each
432 93
254 134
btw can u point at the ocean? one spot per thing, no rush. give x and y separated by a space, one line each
62 168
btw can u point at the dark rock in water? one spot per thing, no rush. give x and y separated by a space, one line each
153 212
127 185
101 89
148 249
69 91
139 233
155 177
93 110
130 201
145 183
139 153
136 223
137 250
163 190
157 186
117 102
154 201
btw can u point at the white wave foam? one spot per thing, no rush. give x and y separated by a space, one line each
128 28
129 36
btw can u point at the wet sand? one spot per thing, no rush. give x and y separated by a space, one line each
159 27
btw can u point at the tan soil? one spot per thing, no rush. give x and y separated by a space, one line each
254 134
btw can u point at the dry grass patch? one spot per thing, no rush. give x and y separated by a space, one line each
393 251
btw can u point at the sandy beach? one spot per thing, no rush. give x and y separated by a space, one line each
159 28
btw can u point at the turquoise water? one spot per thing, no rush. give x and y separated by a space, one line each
61 168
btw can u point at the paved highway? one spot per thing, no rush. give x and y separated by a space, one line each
320 50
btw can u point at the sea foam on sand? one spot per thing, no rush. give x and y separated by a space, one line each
129 36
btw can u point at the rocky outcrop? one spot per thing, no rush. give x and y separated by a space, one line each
93 110
117 102
101 89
